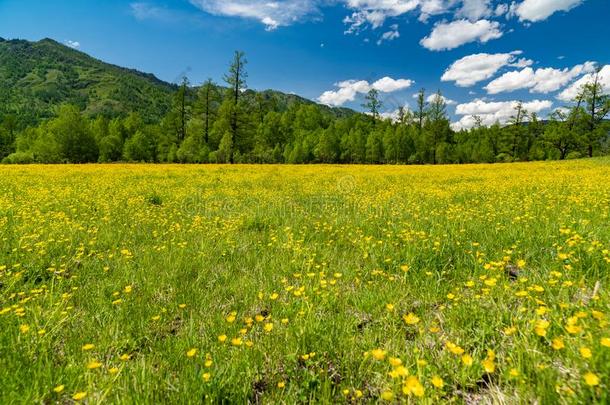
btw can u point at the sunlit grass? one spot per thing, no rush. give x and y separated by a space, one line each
148 284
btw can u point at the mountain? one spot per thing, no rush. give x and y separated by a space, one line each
37 77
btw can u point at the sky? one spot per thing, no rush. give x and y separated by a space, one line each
483 55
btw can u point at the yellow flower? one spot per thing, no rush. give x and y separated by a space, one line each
387 395
236 342
453 348
281 384
585 352
437 382
509 331
557 344
182 306
92 365
488 365
274 296
268 327
399 371
88 347
125 357
411 319
191 353
514 372
58 389
605 341
222 338
541 327
79 395
591 379
113 370
467 360
24 328
259 318
378 354
412 386
231 318
206 377
389 307
395 361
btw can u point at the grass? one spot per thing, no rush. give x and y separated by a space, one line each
332 284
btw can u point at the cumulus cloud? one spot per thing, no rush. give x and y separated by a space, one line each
543 80
474 10
472 69
539 10
272 14
451 35
389 35
349 89
432 97
72 44
491 112
571 92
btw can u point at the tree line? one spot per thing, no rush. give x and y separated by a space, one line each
214 124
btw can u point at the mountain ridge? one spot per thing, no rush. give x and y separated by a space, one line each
36 77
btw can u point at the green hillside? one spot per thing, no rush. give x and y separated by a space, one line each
37 77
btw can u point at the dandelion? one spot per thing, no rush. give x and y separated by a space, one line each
488 365
79 395
387 395
591 379
92 365
378 354
222 338
605 342
113 370
437 382
467 360
585 352
395 361
557 344
411 319
58 389
268 327
412 386
236 342
206 377
125 357
281 384
191 353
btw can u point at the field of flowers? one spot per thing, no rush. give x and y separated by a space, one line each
335 284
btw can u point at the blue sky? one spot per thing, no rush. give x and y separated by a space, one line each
482 54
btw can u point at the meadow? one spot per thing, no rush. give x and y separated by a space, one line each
296 284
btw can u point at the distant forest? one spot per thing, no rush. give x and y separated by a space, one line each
225 124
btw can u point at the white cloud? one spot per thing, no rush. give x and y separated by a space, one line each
389 35
72 44
492 112
501 9
474 10
472 69
389 85
349 89
570 93
543 80
539 10
432 97
451 35
272 14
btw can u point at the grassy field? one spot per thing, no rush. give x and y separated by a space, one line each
334 284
